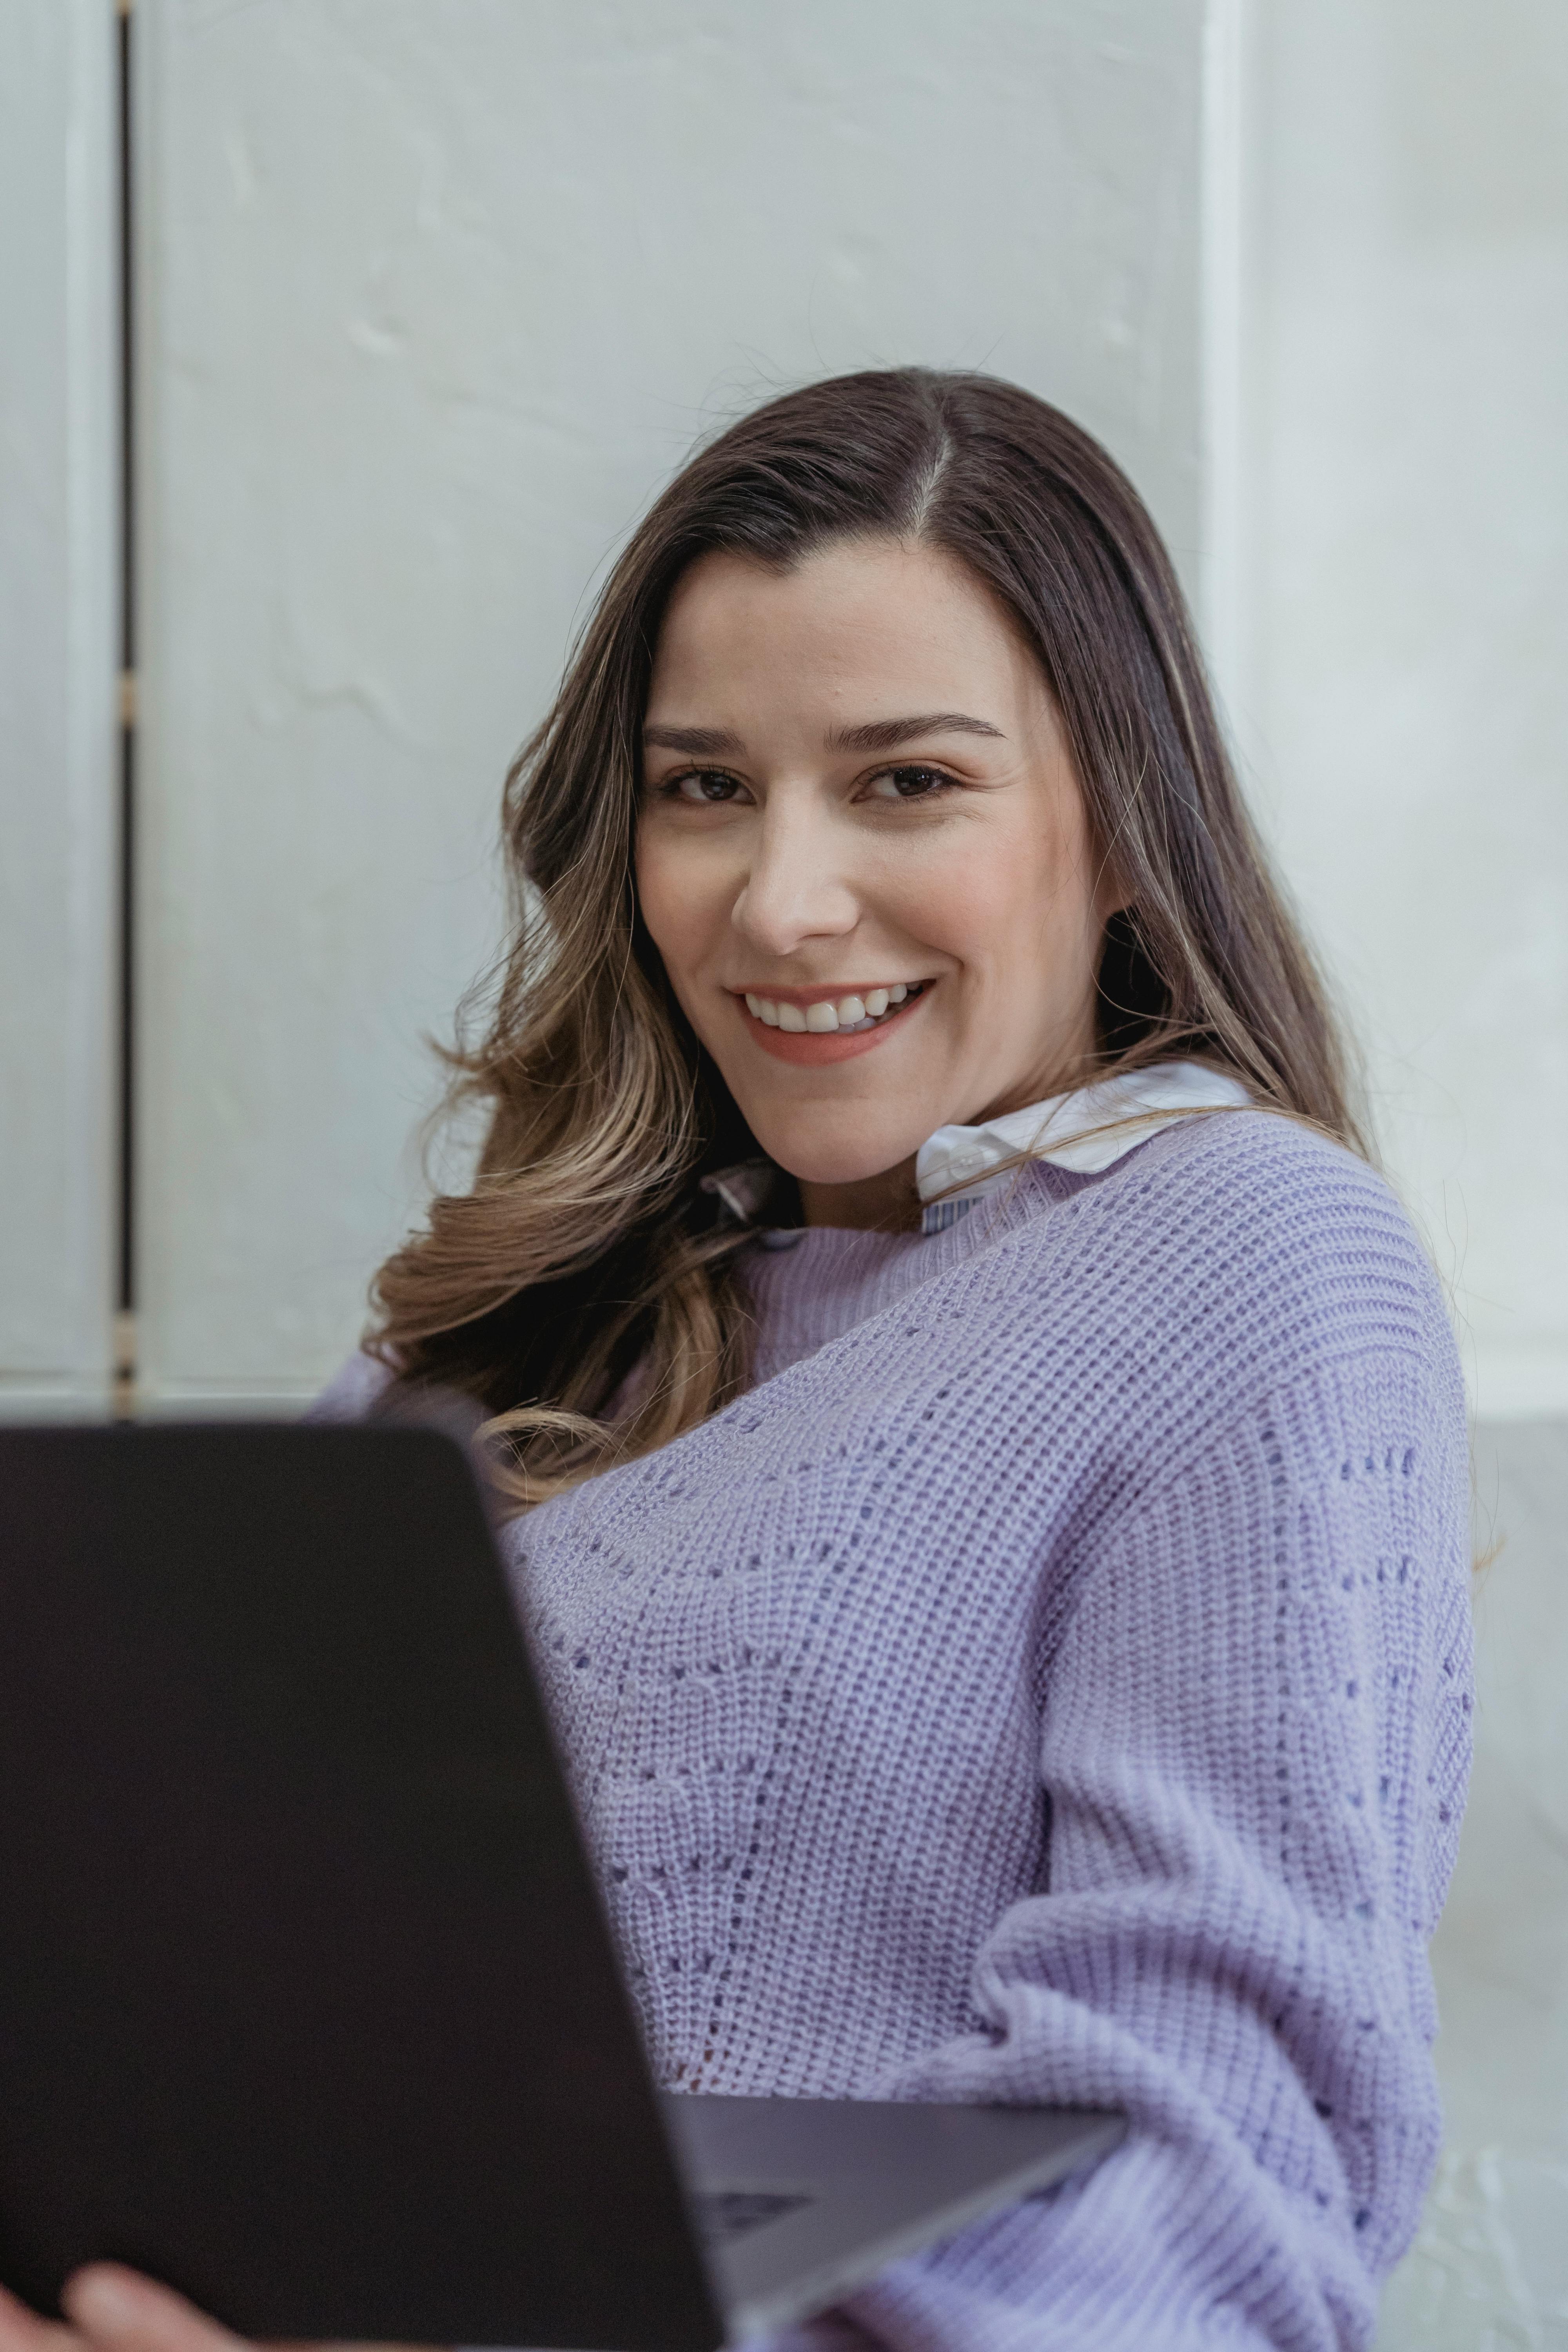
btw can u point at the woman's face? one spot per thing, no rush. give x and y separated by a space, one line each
863 855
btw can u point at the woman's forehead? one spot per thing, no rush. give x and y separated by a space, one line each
864 629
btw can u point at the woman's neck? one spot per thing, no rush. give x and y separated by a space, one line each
886 1203
889 1202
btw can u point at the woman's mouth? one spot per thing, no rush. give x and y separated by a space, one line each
829 1028
829 1016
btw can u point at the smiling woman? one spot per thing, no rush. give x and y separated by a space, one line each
727 800
988 1453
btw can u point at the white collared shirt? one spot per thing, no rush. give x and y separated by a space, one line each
964 1164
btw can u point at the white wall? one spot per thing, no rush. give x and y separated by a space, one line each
58 680
440 291
1403 689
437 290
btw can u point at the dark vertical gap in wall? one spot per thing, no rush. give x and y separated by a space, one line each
125 1273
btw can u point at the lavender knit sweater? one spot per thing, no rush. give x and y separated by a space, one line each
1051 1682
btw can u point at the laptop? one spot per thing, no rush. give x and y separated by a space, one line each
308 2004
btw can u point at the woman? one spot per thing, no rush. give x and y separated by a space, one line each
987 1452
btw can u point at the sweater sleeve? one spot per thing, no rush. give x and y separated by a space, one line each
1255 1775
352 1390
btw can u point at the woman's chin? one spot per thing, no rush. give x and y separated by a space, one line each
812 1157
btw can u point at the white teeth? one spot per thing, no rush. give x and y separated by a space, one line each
822 1019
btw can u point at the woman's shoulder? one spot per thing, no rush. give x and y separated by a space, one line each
1233 1179
1236 1276
1238 1231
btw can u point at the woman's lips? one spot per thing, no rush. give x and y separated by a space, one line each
815 1048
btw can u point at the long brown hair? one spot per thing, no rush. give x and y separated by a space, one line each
587 1243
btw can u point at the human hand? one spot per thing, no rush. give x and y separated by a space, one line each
111 2309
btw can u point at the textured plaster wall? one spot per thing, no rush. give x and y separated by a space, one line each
439 292
1404 692
57 658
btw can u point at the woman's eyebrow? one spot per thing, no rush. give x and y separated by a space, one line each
697 742
887 734
875 735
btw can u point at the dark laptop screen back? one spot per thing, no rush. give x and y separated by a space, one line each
305 1996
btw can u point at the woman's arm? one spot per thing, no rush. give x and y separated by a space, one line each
1255 1773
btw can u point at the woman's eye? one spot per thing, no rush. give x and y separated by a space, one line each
704 786
909 784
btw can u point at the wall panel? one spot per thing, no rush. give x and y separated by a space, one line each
1406 703
57 707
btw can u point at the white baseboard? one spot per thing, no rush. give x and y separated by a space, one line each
24 1397
214 1402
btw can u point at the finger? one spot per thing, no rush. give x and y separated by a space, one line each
112 2306
21 2330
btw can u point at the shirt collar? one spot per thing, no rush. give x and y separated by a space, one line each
1086 1131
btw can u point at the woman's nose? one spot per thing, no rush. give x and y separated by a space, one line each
796 889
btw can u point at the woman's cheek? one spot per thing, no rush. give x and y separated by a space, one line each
687 887
666 908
